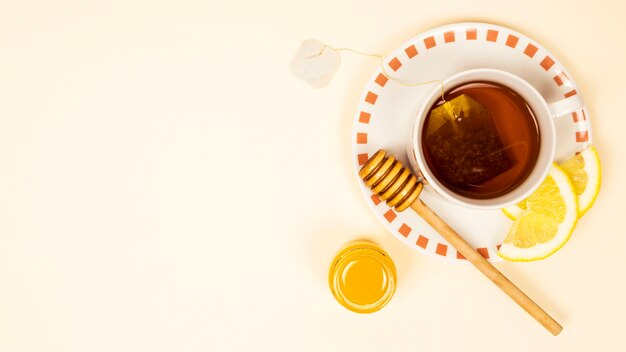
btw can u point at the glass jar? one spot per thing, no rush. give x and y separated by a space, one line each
362 277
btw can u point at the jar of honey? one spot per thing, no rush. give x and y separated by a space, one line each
362 277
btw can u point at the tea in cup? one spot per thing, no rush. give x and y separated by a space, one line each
489 141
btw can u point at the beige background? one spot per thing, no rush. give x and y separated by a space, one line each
166 185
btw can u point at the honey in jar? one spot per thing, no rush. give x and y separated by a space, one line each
362 277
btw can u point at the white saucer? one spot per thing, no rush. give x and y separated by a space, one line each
386 109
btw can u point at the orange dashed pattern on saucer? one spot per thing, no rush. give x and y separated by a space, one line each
430 42
530 50
361 138
371 98
471 34
395 64
364 117
448 36
381 80
390 215
411 51
579 117
405 230
442 249
547 63
511 41
363 158
422 241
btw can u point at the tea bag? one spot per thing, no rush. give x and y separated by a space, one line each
464 143
315 63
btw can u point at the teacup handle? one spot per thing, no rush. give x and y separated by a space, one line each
565 106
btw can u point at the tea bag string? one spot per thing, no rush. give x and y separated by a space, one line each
384 71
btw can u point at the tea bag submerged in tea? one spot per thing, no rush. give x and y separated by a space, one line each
464 143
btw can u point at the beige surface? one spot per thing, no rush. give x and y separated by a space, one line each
166 185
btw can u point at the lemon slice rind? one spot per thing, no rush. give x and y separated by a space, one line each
594 174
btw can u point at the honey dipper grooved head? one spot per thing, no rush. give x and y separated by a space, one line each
390 180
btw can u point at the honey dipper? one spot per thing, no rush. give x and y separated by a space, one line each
394 183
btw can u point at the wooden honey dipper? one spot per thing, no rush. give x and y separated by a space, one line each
396 185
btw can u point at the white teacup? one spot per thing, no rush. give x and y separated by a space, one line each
544 113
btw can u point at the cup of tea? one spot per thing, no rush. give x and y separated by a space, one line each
489 142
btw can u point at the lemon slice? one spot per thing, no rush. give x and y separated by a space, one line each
586 174
545 221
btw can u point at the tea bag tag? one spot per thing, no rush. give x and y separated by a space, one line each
315 63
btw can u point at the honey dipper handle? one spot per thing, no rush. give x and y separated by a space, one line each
486 268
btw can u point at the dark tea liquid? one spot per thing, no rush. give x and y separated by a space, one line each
483 156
